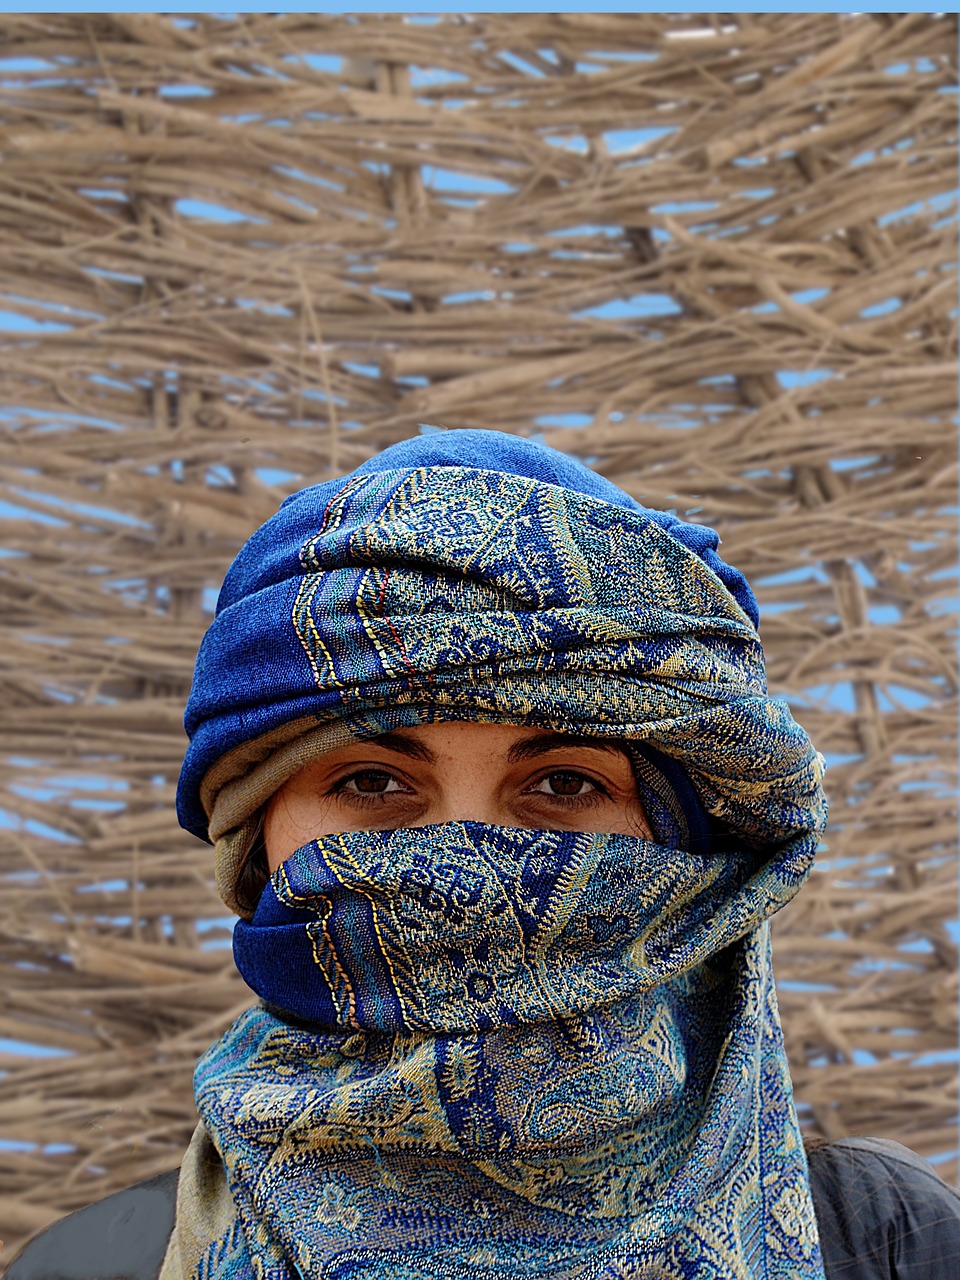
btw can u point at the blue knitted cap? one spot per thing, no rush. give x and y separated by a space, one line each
252 630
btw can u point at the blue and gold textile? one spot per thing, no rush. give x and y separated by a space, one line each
486 1052
497 529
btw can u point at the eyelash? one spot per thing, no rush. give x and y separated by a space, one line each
363 798
573 802
366 799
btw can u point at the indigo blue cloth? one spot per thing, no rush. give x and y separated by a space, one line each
883 1214
497 451
464 927
488 1051
254 671
493 1052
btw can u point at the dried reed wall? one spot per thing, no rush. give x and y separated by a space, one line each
241 255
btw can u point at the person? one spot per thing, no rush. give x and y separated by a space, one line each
504 809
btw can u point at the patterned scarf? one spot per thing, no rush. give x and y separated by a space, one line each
484 1051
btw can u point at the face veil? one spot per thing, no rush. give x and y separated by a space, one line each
488 1051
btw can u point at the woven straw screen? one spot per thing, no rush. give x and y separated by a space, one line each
713 256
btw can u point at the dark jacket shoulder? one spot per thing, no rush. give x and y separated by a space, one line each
124 1236
883 1212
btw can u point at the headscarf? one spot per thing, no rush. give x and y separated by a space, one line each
486 1051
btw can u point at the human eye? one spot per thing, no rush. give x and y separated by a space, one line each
568 787
368 786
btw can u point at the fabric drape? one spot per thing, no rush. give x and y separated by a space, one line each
485 1051
515 1053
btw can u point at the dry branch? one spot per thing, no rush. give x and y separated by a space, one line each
749 310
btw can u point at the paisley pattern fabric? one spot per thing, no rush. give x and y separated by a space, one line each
491 1052
466 594
483 1051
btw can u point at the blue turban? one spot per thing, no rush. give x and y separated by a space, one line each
485 1051
253 673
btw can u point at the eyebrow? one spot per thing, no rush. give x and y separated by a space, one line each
395 741
526 749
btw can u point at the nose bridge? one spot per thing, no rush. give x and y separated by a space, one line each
467 791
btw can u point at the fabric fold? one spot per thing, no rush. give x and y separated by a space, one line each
470 594
488 1051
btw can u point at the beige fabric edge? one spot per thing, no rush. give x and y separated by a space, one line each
234 790
231 849
206 1215
246 777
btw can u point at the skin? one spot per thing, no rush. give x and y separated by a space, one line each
457 771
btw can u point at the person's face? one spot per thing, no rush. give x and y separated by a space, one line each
497 774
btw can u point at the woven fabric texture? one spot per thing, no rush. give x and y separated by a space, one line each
510 1053
488 1051
255 673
